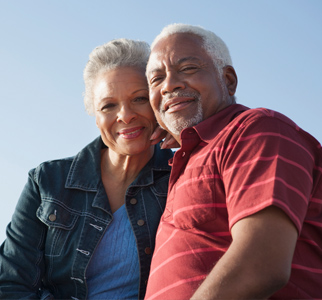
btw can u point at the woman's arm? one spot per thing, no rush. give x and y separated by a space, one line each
22 263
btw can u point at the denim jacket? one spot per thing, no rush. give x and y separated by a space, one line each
61 217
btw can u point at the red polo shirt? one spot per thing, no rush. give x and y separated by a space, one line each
230 166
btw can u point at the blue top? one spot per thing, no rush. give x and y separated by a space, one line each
61 216
113 272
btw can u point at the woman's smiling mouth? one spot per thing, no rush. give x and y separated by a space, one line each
131 133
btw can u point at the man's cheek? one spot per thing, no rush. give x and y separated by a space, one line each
155 103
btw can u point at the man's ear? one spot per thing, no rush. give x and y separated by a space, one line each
231 80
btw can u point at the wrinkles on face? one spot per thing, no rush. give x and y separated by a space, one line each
123 112
184 85
174 121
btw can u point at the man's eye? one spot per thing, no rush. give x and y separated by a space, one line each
188 68
155 80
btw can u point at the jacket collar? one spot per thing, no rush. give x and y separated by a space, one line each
85 170
158 163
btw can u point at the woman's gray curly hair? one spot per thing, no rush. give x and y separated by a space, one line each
116 53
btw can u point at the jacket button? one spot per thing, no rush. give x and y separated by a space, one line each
133 201
147 250
140 222
52 217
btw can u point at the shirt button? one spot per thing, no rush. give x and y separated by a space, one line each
133 201
147 250
52 217
140 222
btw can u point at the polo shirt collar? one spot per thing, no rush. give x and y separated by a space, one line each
209 128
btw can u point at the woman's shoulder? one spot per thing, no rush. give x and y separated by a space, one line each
53 169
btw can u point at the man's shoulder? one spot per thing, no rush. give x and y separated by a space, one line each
265 119
261 112
246 123
266 123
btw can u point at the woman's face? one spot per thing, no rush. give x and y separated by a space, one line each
122 110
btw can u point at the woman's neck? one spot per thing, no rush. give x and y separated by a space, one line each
124 168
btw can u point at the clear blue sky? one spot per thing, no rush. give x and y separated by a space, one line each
276 46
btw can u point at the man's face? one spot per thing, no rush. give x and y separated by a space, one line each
184 85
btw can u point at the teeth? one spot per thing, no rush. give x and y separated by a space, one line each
129 133
174 104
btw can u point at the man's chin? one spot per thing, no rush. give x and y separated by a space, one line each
177 126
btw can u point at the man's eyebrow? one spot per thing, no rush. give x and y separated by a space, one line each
155 70
178 62
188 58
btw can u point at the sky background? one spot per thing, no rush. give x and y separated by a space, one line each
276 47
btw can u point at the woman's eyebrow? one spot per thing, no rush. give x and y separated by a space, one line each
139 90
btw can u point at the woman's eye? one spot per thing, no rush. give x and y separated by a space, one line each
107 107
141 99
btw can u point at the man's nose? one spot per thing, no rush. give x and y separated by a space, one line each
171 83
126 114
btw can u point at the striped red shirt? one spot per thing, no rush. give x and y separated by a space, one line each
230 166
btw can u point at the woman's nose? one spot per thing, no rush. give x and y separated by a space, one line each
126 114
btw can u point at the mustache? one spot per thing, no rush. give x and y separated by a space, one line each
168 96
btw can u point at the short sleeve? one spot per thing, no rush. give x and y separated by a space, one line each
267 162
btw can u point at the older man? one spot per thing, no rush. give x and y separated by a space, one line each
244 212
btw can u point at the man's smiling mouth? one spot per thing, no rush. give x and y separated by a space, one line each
171 104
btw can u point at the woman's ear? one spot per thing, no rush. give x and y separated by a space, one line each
231 80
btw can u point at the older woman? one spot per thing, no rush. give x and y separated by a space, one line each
84 226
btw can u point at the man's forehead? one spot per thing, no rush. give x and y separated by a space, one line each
175 49
160 61
179 37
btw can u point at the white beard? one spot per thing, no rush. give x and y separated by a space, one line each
175 124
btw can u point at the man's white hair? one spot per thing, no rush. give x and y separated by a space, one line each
213 44
116 53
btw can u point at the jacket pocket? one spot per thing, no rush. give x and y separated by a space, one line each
60 221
